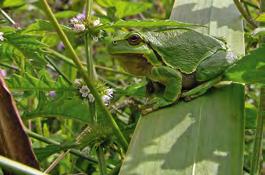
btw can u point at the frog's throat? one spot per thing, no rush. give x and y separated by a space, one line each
135 64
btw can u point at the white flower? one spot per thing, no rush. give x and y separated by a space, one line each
79 27
84 90
106 99
91 98
2 36
74 21
96 22
78 82
109 92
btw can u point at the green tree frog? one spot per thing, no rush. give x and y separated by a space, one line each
179 61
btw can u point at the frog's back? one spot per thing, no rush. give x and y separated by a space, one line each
183 48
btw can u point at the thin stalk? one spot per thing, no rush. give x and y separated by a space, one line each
58 70
70 62
112 70
256 157
56 162
9 66
83 73
7 17
250 4
108 82
89 4
60 56
88 42
257 150
89 57
245 14
18 168
102 162
50 141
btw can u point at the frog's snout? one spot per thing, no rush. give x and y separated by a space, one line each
114 42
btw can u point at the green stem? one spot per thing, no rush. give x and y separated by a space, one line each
60 56
70 62
58 70
257 150
7 17
250 4
112 70
18 168
83 73
102 163
72 151
89 4
89 58
244 14
9 66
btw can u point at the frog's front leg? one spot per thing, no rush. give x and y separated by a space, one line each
171 79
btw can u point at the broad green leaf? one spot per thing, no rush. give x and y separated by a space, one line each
125 8
13 3
202 137
205 135
250 68
65 14
261 18
148 24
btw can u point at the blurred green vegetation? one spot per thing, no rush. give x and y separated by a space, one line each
43 78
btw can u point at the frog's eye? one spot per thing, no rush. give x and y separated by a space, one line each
134 39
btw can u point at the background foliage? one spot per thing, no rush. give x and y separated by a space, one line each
44 80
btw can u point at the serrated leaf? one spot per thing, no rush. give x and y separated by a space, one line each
18 46
250 68
31 83
62 107
125 8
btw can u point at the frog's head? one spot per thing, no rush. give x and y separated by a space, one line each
130 49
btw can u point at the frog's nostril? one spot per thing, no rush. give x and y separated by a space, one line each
114 42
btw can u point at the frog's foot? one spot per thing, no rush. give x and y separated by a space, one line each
155 104
200 90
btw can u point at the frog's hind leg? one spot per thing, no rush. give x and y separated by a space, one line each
214 65
200 89
210 72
